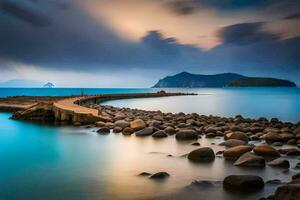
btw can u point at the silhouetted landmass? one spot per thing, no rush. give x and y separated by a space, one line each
261 82
188 80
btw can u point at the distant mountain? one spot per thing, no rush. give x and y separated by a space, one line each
188 80
21 83
49 85
261 82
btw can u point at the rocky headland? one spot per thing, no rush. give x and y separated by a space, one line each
248 142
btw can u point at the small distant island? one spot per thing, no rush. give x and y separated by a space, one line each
49 85
188 80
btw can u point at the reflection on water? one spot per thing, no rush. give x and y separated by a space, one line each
40 162
283 103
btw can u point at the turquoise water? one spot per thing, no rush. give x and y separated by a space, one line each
53 163
283 103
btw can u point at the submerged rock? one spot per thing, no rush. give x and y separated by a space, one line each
246 183
170 131
145 174
159 134
103 130
186 134
202 154
160 175
280 162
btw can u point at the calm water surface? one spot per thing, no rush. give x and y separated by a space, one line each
47 162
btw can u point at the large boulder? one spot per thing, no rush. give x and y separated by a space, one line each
202 154
234 153
170 130
246 183
186 134
145 132
137 124
280 162
250 160
266 150
122 123
237 135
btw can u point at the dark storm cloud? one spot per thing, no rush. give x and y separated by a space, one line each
24 12
75 41
246 33
293 16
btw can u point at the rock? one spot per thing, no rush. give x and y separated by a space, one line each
127 131
280 162
145 132
277 144
159 134
290 151
237 135
266 150
122 123
170 131
234 153
246 183
272 137
296 176
286 136
76 124
233 143
186 134
137 124
103 130
159 175
288 192
100 124
117 129
145 174
196 144
202 154
250 160
109 125
210 135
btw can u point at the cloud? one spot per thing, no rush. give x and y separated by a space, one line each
24 12
293 16
246 33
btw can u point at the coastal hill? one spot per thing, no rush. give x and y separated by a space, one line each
188 80
49 85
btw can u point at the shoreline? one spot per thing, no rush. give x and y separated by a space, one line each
236 131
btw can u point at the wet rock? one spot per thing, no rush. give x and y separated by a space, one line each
234 153
103 130
272 137
233 143
290 191
196 144
145 174
122 123
144 132
286 136
290 151
100 124
160 175
210 135
280 162
266 150
159 134
186 134
246 183
117 129
296 176
250 160
273 182
169 130
137 124
202 155
127 131
237 135
277 144
76 124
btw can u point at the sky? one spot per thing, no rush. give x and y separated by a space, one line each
134 43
